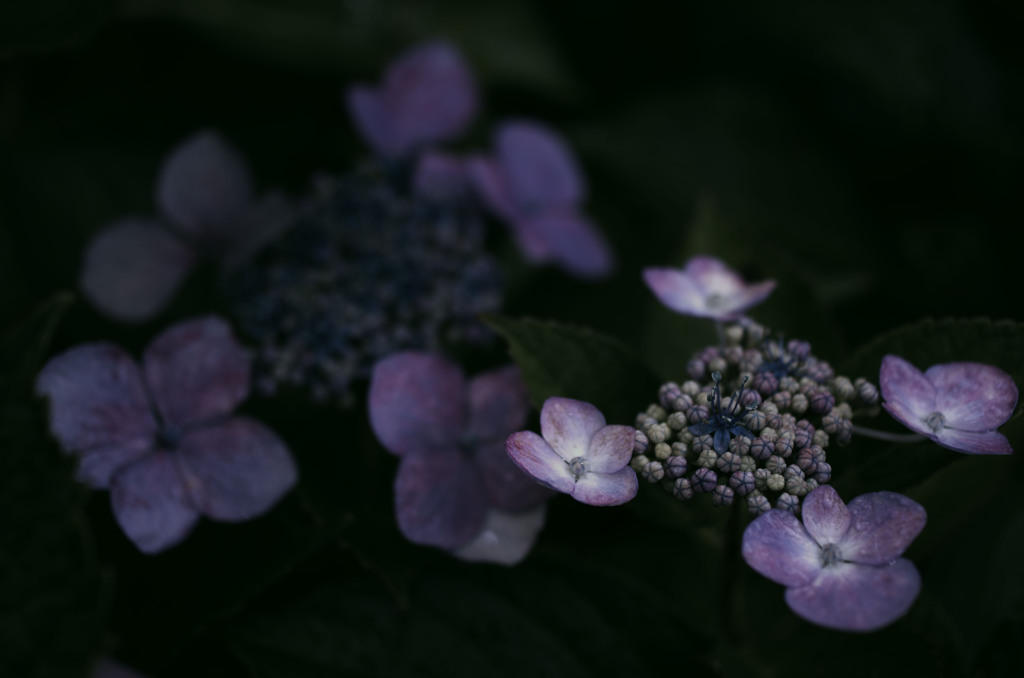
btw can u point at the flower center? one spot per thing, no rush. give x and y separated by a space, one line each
577 467
168 437
715 301
830 555
935 421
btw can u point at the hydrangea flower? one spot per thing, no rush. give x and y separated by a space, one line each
535 186
842 565
428 95
577 453
133 267
456 489
162 437
958 405
706 288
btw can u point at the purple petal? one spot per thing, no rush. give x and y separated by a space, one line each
852 597
260 225
505 539
611 449
882 525
498 404
825 515
204 186
676 290
488 179
777 546
98 404
440 176
417 401
132 269
569 239
569 426
712 276
606 489
972 396
509 488
236 470
97 466
533 455
748 297
196 371
970 442
439 498
904 386
541 169
372 121
151 504
903 415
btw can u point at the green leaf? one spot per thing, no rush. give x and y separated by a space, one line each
576 362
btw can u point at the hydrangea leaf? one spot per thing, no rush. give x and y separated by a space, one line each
575 362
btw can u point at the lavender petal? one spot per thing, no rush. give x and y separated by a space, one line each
777 546
904 385
498 404
972 396
151 503
539 460
506 538
541 170
882 525
509 488
569 425
606 489
611 449
970 442
826 517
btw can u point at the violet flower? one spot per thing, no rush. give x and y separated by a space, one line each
456 489
578 454
427 96
958 405
706 288
534 185
162 437
133 267
841 566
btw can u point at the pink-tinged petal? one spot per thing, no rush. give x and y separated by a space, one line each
196 371
541 170
204 186
417 401
440 176
676 290
851 597
505 539
236 470
569 239
429 95
372 120
97 466
606 489
533 455
498 404
908 418
611 449
509 488
151 504
260 225
903 385
97 400
569 426
882 525
971 442
972 396
489 182
712 276
778 547
131 269
439 498
826 517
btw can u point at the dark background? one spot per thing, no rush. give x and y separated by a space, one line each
866 155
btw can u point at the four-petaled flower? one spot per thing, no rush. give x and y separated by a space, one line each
163 438
842 566
578 454
958 405
706 288
427 96
208 208
535 186
456 489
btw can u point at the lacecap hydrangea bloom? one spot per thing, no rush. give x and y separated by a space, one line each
163 437
577 453
841 566
455 488
957 405
705 287
207 209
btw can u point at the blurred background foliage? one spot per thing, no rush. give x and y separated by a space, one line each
866 155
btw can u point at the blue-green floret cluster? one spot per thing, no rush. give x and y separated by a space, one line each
753 421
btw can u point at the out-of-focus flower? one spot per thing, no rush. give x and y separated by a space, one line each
958 405
533 183
841 566
428 95
163 438
133 267
577 453
706 288
456 489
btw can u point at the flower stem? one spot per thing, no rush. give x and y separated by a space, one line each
885 435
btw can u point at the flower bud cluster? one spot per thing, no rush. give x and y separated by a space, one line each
752 423
367 271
